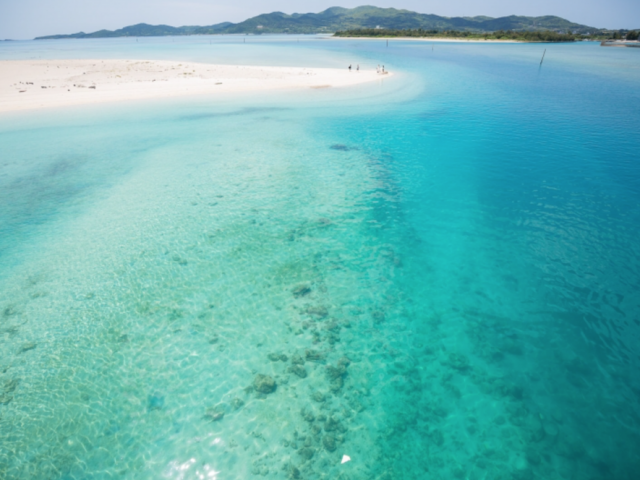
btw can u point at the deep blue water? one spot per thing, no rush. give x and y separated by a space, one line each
451 257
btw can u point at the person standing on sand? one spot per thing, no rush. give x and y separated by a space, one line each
349 67
358 68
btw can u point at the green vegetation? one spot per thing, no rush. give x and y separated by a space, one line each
614 35
344 19
144 30
340 19
539 36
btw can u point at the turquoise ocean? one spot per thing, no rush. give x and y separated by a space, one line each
436 274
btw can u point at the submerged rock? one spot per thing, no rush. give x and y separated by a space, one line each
264 384
318 397
237 403
329 443
306 453
317 311
297 360
155 402
179 260
513 348
307 415
437 437
294 473
277 357
215 414
332 338
313 356
298 370
343 362
332 326
10 385
333 425
26 347
458 361
342 148
301 290
6 390
336 377
550 427
378 316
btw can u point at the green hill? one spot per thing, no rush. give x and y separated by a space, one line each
140 30
337 19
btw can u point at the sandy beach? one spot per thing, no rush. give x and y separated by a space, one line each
33 84
431 39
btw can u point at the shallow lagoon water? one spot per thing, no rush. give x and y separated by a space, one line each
439 271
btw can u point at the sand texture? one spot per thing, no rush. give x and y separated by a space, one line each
33 84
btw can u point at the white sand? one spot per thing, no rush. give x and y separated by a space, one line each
432 39
33 84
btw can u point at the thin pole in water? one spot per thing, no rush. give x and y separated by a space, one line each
387 43
545 51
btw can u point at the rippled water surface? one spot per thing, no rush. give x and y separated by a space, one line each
436 275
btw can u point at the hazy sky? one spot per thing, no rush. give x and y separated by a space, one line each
22 19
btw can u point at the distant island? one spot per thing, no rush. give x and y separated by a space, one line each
338 19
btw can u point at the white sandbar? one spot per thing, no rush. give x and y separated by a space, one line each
33 84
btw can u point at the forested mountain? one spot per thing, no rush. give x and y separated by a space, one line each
337 18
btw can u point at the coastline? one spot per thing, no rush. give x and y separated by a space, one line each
434 39
36 84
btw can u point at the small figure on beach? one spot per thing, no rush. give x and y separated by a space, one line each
349 67
357 68
383 69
